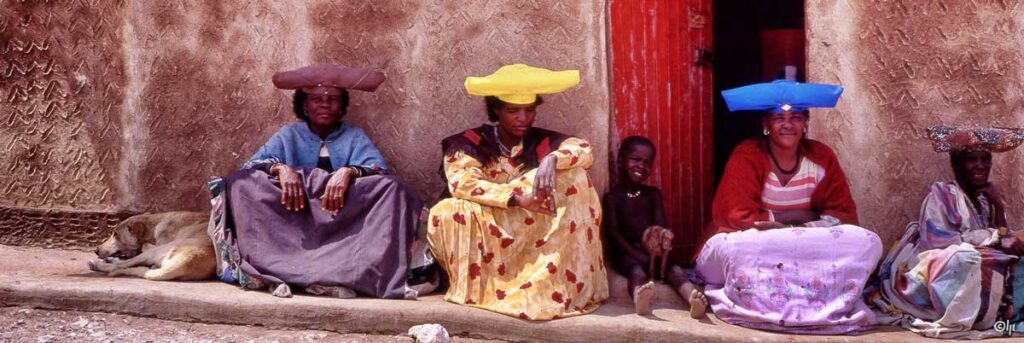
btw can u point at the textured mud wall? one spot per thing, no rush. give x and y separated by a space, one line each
112 107
907 65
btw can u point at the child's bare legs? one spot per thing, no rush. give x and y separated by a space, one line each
690 292
642 289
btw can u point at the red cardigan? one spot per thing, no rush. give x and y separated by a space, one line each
737 204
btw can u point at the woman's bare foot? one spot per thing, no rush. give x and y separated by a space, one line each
282 291
642 298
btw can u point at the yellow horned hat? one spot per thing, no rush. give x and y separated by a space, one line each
519 83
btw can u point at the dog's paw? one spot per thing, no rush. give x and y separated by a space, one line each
282 291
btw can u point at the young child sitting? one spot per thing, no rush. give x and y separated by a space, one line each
634 226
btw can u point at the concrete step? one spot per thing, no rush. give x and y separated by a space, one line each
59 279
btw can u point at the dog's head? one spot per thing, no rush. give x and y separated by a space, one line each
125 242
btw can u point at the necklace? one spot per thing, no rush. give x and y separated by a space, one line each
505 151
785 171
633 194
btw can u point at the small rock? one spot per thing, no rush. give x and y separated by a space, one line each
314 336
19 322
24 311
429 333
45 339
98 334
81 322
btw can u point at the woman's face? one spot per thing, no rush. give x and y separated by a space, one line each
323 106
785 129
974 168
636 164
516 120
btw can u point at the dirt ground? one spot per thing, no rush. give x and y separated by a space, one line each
42 326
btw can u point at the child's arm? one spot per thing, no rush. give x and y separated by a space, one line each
611 224
659 209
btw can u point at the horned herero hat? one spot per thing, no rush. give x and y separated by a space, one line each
991 139
781 96
519 83
329 75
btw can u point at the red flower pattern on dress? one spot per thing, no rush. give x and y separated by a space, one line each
584 145
437 221
557 297
572 226
591 268
480 245
455 186
565 152
593 213
567 302
488 257
590 235
526 285
501 269
573 161
452 159
500 294
571 190
505 242
518 191
569 276
470 302
477 191
459 218
579 287
523 316
474 271
551 268
494 230
528 221
539 243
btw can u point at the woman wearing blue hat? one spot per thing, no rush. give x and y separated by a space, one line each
783 251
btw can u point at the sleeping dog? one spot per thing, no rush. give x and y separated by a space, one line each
162 246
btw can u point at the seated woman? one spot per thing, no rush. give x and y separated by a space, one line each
783 252
932 282
635 227
519 234
314 208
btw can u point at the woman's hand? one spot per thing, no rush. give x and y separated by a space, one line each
534 203
292 196
992 194
544 181
334 194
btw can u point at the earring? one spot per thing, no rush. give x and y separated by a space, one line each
766 132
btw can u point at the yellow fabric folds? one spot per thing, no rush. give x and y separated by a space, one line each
519 83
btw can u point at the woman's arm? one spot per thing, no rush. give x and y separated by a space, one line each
466 181
737 203
271 154
365 159
573 152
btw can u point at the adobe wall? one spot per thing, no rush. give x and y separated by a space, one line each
907 65
119 107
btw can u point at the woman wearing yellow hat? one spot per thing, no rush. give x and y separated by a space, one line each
519 232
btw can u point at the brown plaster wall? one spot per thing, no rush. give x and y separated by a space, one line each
908 64
128 106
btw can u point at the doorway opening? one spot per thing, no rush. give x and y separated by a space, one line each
754 41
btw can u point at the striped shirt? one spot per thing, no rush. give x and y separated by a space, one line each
795 195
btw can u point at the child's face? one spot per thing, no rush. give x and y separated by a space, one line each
636 164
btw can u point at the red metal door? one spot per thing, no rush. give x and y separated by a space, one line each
661 88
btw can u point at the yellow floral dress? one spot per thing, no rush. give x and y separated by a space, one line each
513 261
